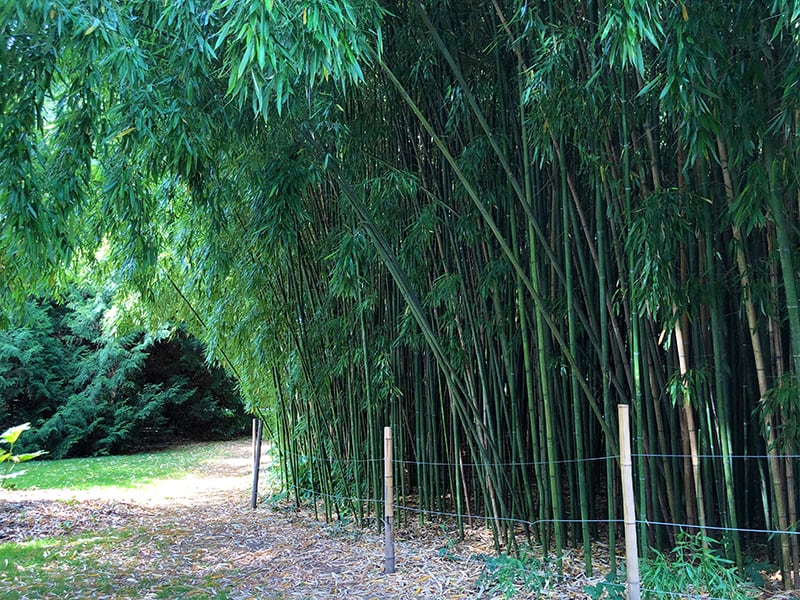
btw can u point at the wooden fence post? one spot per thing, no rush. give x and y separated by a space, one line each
388 496
628 506
253 438
258 432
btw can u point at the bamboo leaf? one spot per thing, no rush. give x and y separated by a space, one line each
11 435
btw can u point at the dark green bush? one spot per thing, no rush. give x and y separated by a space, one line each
87 392
35 362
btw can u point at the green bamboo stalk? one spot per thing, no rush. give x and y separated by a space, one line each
788 468
455 456
525 329
527 507
776 477
577 418
793 310
723 420
550 453
421 434
372 438
778 210
600 219
656 484
634 324
694 482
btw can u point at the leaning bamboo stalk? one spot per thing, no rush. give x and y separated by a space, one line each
577 417
778 481
782 231
778 361
605 370
490 222
785 254
693 472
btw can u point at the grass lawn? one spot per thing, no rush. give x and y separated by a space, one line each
126 471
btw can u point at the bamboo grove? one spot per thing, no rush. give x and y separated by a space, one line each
483 223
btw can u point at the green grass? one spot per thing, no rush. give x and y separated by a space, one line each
86 565
37 569
128 471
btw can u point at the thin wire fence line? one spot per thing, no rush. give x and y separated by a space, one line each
471 517
338 497
314 457
465 516
718 528
718 456
400 507
405 463
320 494
521 521
540 463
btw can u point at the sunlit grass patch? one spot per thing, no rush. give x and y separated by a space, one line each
126 471
92 565
54 567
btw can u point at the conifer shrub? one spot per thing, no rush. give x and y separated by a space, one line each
87 392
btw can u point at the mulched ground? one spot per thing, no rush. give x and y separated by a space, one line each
22 521
200 529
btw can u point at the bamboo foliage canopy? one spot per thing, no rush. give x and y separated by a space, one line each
485 224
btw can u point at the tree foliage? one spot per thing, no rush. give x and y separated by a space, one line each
89 392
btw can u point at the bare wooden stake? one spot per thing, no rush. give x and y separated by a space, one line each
388 495
628 506
258 434
253 438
